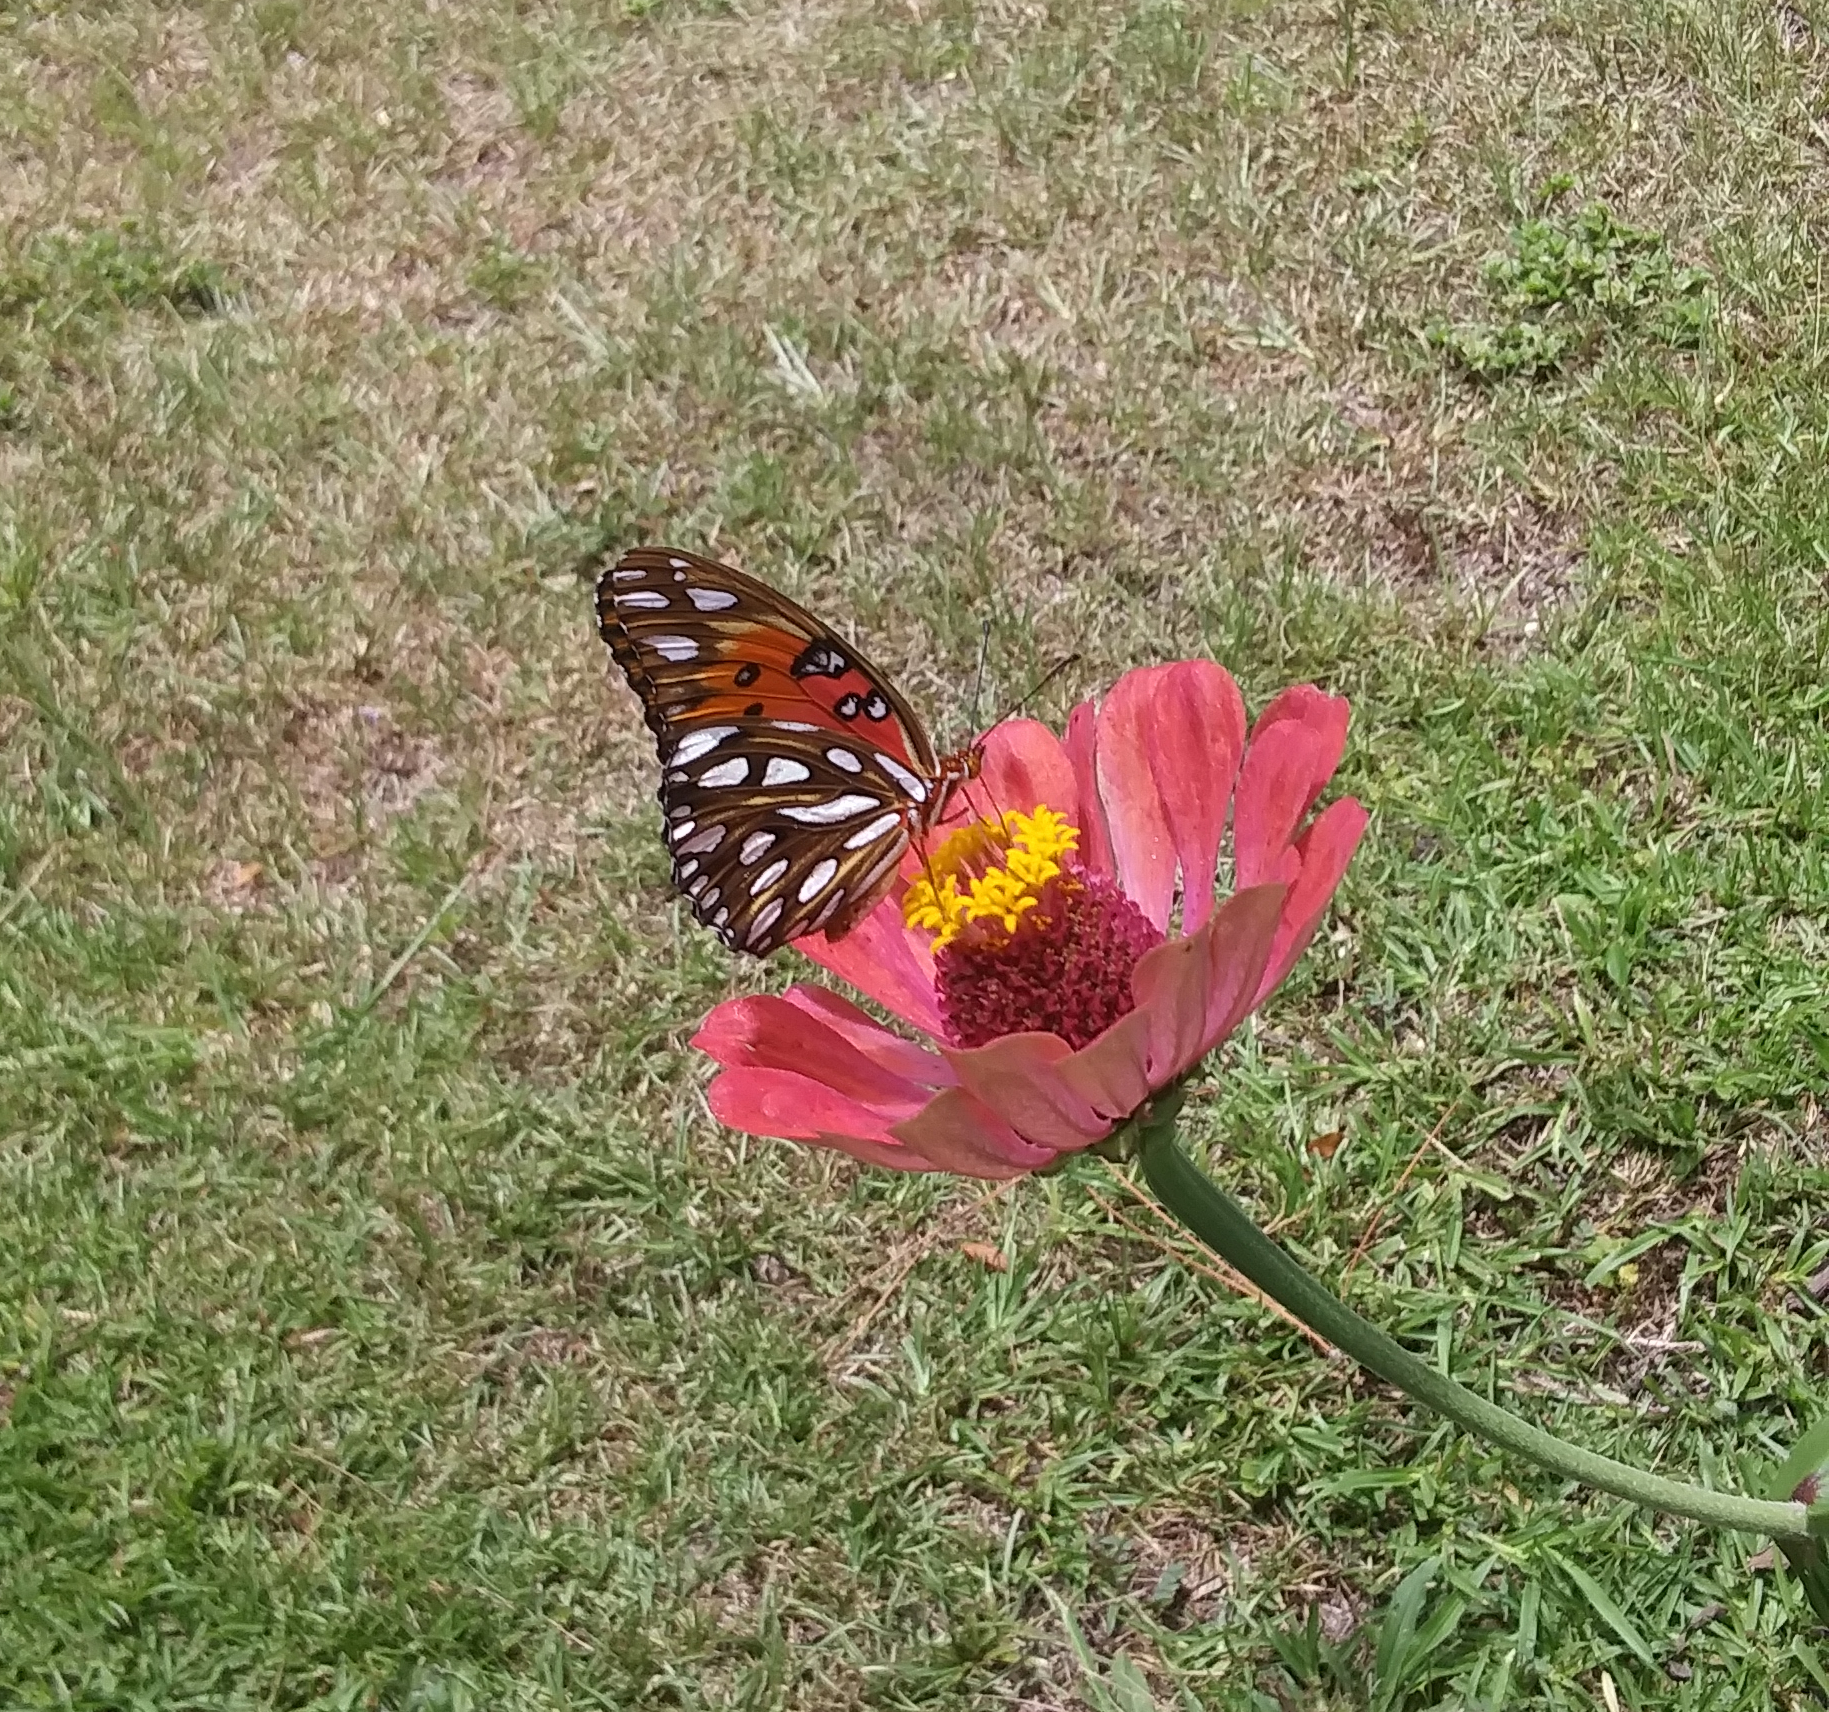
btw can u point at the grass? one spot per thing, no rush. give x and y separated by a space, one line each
384 1323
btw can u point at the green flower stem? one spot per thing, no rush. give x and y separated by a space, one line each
1225 1227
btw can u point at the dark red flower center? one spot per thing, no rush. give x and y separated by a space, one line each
1064 968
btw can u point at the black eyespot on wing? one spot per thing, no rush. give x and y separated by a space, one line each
753 711
747 674
876 707
820 660
847 706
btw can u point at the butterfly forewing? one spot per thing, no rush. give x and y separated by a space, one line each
699 640
792 775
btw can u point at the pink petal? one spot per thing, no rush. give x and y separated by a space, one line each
1142 850
1024 767
1095 840
1017 1077
765 1101
1235 969
1194 990
1170 984
779 1103
885 962
891 1155
1275 787
959 1133
863 1031
1295 748
1325 715
1197 735
1112 1074
1324 850
766 1032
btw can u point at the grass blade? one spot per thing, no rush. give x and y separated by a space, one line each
1608 1610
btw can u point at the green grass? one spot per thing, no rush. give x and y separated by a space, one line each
383 1321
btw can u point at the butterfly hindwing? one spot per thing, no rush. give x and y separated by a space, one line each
772 839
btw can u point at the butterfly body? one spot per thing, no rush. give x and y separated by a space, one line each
793 775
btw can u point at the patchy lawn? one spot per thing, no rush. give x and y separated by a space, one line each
383 1321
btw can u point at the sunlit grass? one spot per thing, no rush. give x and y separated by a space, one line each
383 1321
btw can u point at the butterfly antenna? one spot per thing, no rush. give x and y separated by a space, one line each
1036 688
984 653
997 814
1016 707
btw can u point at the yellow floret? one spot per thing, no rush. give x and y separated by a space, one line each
1005 863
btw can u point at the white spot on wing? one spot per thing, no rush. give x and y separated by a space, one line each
792 725
644 597
698 885
720 919
768 877
782 771
677 564
827 910
765 919
755 847
682 830
674 647
697 743
686 870
831 811
875 830
627 576
879 872
909 782
817 881
711 600
844 758
731 772
703 843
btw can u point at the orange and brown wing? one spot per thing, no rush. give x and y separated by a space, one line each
701 641
792 774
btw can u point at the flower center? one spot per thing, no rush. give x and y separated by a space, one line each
1004 863
1022 938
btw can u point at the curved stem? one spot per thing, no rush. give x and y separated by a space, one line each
1219 1221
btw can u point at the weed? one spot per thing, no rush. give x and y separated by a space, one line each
502 276
63 276
1563 284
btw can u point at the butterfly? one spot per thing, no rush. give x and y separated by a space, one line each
793 775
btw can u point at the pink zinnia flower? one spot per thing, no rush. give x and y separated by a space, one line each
1038 947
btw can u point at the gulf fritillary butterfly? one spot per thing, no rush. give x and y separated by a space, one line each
793 776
